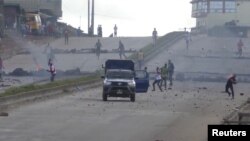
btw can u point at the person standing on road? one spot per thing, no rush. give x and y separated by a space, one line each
229 85
1 69
154 36
121 50
98 46
99 31
66 36
170 72
140 57
52 70
115 31
187 40
164 76
240 46
157 79
146 71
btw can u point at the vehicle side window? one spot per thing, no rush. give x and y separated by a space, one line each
140 74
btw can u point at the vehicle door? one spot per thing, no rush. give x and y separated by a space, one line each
142 81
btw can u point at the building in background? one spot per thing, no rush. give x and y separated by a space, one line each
35 16
230 14
49 7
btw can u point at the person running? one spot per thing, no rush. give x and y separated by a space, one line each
121 50
229 85
170 72
98 46
240 46
52 70
115 31
164 75
154 36
157 79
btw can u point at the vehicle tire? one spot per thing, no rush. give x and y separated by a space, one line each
132 97
104 97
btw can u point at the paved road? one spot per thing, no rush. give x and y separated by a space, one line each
180 114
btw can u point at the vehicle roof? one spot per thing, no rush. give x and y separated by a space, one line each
119 64
115 70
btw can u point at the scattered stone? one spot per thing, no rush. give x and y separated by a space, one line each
65 90
4 114
19 72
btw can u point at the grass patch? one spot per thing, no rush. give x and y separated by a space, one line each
33 87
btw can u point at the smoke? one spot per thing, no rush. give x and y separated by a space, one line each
39 58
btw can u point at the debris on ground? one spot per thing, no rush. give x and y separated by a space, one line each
19 72
4 114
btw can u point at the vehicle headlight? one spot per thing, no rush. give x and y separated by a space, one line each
106 83
131 83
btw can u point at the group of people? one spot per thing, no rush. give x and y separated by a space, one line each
121 49
163 75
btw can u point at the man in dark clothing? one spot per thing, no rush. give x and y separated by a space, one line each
170 72
66 36
98 46
115 31
230 81
154 36
52 70
121 50
99 31
164 75
146 70
240 46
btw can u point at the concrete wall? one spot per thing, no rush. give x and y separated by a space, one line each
215 19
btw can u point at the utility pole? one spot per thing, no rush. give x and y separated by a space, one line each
91 17
88 16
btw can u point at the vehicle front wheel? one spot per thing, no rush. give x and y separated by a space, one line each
104 97
132 97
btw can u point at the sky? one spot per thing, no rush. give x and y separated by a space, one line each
132 17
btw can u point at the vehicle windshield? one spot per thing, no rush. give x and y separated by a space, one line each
120 74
